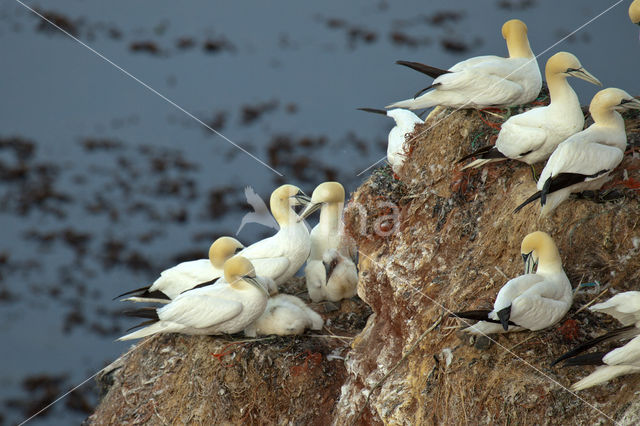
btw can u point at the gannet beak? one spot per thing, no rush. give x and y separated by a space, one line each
584 75
255 283
373 110
311 207
301 199
630 104
503 315
529 263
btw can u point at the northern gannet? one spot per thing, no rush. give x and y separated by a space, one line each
215 309
187 275
405 123
625 307
483 81
584 161
531 301
285 315
280 256
330 273
532 136
634 12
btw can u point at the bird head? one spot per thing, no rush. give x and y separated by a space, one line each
222 249
567 64
327 192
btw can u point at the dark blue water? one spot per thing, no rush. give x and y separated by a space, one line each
104 183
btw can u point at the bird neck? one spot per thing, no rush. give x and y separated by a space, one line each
560 91
283 213
330 217
518 46
549 261
607 117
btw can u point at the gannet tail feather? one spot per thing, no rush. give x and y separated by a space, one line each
425 69
594 358
620 333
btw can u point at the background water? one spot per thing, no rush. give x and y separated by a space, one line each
105 184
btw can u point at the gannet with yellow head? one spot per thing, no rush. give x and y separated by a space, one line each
483 81
405 123
285 315
625 307
634 12
532 301
583 161
532 136
325 281
210 310
187 275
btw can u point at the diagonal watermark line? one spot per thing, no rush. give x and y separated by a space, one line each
509 351
145 85
494 85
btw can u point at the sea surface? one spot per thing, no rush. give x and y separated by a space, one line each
108 176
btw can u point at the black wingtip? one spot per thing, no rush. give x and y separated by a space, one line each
503 315
142 324
137 290
619 333
545 191
594 358
486 152
432 72
373 110
146 312
527 201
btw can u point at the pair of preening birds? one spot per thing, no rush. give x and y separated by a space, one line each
230 292
578 160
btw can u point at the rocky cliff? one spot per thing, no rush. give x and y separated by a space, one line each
434 241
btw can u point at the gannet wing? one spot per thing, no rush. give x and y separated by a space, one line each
514 288
184 276
519 137
536 312
197 310
628 354
625 307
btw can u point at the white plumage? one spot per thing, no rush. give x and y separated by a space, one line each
285 315
484 81
214 309
405 124
625 307
583 161
531 301
532 136
330 273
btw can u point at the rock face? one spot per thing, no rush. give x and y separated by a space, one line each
435 241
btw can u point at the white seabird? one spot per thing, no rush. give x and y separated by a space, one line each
583 161
531 301
405 123
186 275
634 12
532 136
215 309
285 315
483 81
625 307
330 273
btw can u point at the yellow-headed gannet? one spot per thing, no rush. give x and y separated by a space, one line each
584 161
405 123
531 301
330 272
625 307
187 275
280 256
634 12
214 309
483 81
532 136
285 315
